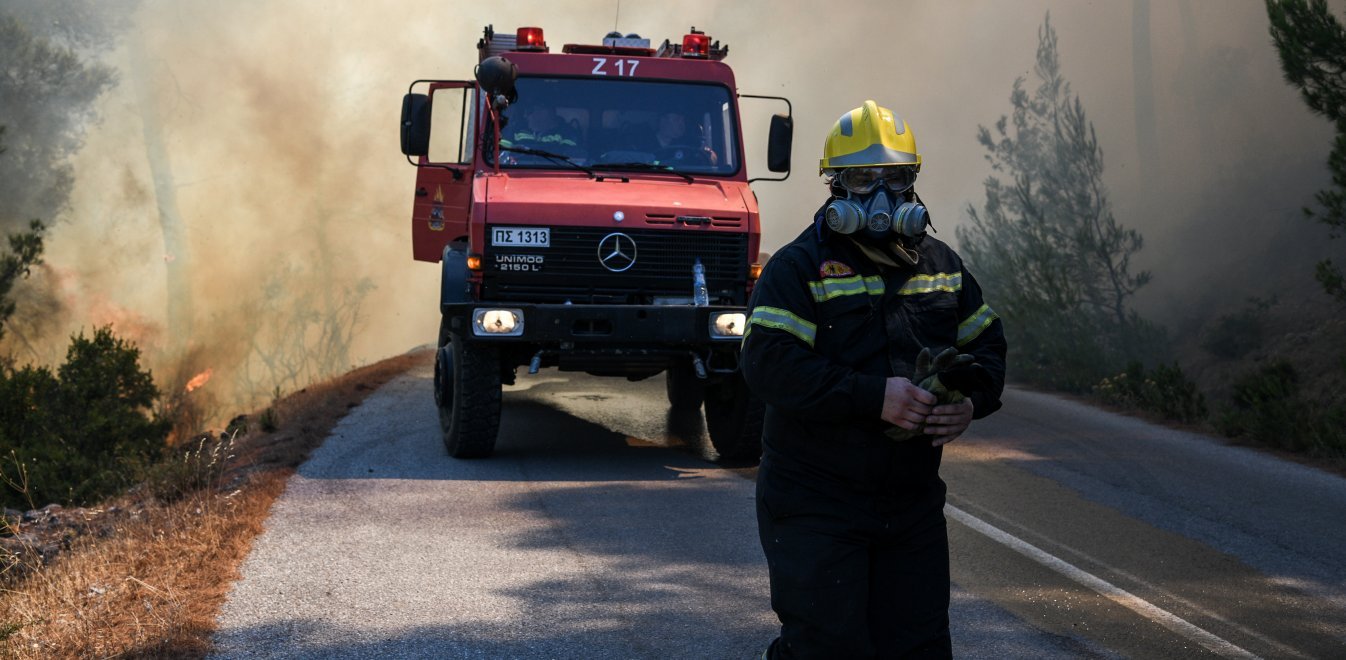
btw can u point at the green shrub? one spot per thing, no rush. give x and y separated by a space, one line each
1164 390
1264 407
1233 336
1072 350
82 433
269 419
1267 407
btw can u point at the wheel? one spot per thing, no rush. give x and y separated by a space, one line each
734 420
444 378
467 392
685 390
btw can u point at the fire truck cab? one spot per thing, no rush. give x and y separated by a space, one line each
591 211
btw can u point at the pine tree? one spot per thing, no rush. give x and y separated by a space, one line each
48 91
1046 244
1312 47
25 251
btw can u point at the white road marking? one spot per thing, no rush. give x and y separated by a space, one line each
1107 589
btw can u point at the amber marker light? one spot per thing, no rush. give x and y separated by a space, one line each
754 271
474 262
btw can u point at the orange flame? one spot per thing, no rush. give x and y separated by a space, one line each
199 379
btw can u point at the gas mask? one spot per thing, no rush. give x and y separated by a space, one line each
879 215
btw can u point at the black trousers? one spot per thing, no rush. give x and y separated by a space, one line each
855 577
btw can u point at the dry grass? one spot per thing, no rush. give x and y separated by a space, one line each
149 582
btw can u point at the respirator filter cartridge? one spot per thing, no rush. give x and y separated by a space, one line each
844 216
911 219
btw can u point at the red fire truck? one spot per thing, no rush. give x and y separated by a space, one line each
591 211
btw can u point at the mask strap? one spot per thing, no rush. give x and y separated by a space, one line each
929 222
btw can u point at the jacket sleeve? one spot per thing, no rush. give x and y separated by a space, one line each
982 334
779 361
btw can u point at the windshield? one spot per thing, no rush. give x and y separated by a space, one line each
620 124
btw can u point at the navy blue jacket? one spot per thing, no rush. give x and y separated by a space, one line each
827 327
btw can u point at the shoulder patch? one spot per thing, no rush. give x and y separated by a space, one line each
831 268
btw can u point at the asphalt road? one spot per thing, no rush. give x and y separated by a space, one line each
599 530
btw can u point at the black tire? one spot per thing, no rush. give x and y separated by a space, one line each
685 390
443 372
470 386
734 421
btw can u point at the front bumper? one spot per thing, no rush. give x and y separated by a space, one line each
594 326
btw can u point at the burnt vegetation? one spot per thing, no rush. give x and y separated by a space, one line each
297 335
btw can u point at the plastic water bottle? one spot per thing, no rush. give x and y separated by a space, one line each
700 296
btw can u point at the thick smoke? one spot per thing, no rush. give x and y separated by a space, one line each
276 123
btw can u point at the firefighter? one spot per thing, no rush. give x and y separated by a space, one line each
541 129
676 143
672 129
850 516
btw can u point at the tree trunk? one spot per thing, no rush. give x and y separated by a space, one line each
176 252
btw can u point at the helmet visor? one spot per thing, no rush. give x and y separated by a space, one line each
864 180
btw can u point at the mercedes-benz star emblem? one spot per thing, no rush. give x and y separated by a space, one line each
617 252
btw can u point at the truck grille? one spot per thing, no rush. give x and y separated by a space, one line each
570 268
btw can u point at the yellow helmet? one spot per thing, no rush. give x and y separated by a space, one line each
869 136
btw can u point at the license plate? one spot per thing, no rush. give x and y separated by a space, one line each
521 236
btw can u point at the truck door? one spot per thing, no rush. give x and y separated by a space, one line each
439 215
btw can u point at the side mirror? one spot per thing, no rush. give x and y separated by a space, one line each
416 125
778 144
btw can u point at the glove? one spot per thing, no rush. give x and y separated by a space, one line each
946 376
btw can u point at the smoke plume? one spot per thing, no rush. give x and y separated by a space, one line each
242 205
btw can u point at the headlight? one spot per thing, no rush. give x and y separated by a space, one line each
497 322
727 325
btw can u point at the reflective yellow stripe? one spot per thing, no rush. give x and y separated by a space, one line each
558 139
522 136
833 287
781 319
950 282
973 326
